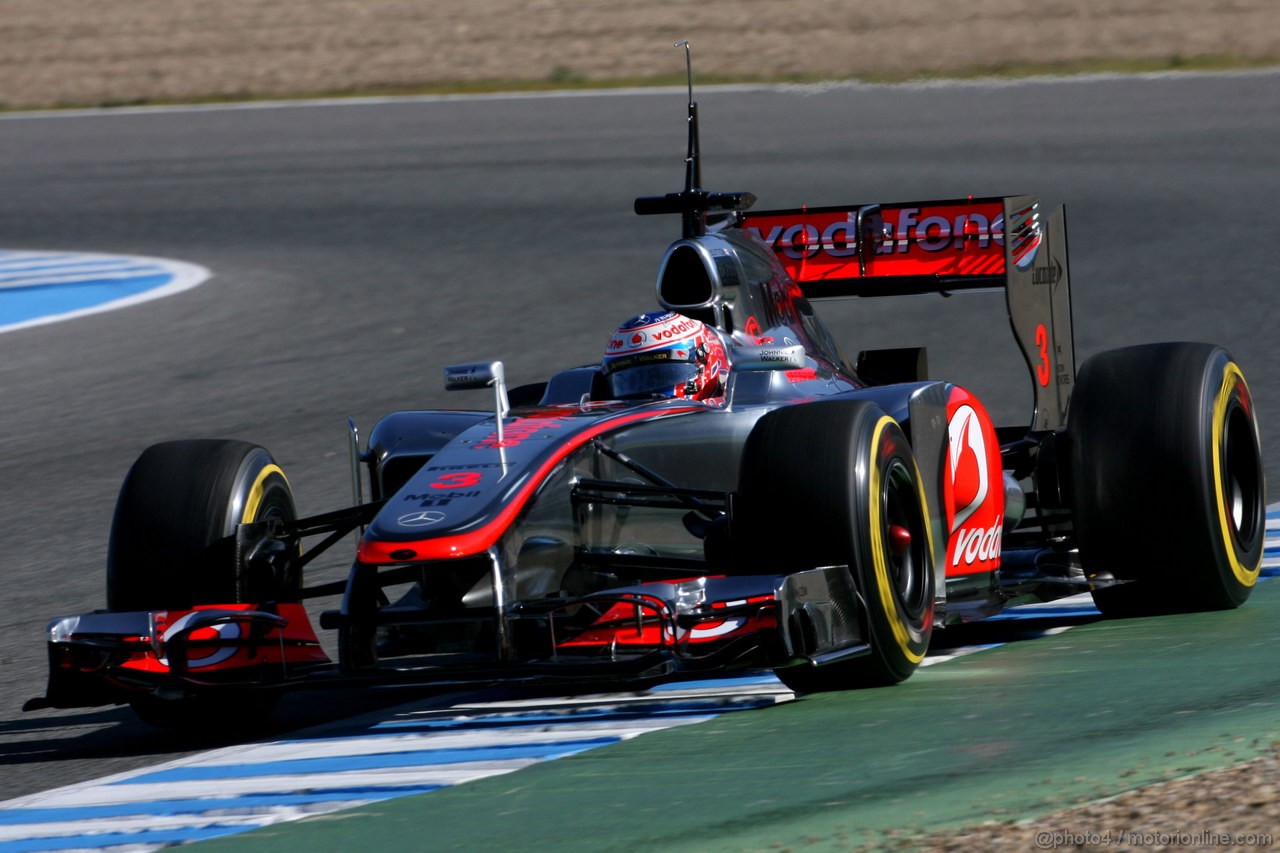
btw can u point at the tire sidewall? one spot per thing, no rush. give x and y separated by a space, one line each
1231 423
900 630
260 491
811 494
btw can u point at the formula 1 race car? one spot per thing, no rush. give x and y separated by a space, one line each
725 491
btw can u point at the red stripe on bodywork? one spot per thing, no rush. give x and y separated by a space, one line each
477 541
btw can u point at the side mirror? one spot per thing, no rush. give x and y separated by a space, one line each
477 375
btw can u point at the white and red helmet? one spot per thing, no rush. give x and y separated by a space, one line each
665 354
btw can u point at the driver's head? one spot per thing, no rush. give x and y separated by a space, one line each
664 354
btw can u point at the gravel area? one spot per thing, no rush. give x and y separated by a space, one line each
68 52
1235 809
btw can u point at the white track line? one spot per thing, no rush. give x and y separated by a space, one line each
28 272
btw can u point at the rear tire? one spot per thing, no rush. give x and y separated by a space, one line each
821 485
1168 478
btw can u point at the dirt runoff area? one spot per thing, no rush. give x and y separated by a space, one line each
70 52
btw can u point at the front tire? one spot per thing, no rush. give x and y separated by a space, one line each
170 550
180 502
835 483
1168 478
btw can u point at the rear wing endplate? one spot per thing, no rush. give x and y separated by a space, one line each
944 247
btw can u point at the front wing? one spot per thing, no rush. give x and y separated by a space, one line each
629 634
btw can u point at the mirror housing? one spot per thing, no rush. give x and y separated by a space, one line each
475 375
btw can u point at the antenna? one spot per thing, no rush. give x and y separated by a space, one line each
693 160
693 203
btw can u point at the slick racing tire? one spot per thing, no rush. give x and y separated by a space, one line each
170 550
180 503
1168 479
835 483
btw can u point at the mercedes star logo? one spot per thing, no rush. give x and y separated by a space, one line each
422 518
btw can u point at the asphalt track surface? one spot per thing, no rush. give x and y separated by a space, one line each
358 248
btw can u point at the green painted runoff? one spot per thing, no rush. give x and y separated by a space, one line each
1018 731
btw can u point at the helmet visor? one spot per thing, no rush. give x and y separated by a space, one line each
645 380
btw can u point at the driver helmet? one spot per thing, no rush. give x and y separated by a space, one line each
665 354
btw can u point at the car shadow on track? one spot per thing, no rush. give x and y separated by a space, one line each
1001 631
117 733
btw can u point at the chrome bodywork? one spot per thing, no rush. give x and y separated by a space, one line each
560 534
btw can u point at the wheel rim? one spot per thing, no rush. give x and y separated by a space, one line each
1242 480
276 506
907 560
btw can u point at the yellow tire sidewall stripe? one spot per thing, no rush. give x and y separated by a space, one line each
879 560
1231 376
257 490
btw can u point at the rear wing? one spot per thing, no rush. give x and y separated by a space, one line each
944 247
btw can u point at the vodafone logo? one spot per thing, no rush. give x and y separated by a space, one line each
979 544
676 329
968 464
905 230
671 329
935 233
977 522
